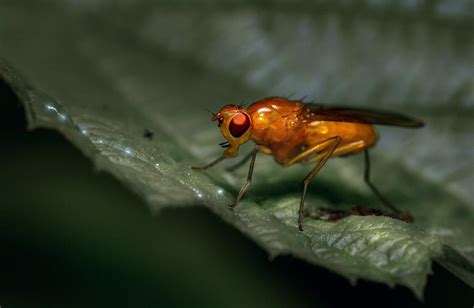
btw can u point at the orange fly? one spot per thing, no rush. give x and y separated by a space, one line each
296 132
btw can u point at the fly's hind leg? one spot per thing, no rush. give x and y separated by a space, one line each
397 213
324 151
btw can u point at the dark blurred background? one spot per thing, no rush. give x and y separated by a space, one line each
72 236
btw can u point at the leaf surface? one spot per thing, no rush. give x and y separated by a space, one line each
105 74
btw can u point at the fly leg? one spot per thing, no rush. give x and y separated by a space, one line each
249 178
211 164
324 150
240 163
397 213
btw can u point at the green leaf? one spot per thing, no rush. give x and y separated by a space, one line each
103 74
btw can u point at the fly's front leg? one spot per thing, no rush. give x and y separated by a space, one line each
324 150
240 163
211 164
249 178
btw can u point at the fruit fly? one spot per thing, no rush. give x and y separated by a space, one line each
297 132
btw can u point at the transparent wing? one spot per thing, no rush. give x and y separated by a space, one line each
316 112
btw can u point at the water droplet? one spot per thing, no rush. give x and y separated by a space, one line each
50 107
128 151
220 191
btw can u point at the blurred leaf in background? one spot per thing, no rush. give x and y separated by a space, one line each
103 73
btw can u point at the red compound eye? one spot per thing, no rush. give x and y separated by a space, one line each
239 125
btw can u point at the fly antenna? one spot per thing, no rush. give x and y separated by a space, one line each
213 114
225 144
